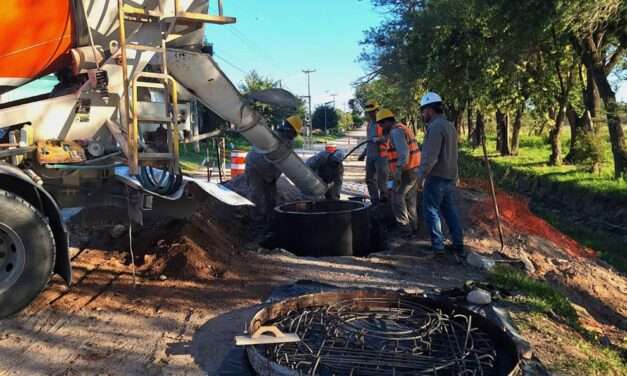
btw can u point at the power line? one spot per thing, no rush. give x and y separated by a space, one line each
231 64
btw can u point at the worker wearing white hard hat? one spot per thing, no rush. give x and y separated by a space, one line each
438 171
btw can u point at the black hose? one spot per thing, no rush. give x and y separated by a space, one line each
165 183
355 148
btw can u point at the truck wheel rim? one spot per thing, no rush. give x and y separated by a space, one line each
12 257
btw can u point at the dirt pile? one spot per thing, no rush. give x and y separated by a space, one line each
556 258
203 247
518 219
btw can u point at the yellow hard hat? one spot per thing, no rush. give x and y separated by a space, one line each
296 123
372 105
383 114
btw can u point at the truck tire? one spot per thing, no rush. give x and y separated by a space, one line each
27 253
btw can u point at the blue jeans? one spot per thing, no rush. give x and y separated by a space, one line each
438 195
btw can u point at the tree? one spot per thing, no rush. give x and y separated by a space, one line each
325 117
275 115
356 111
598 31
547 58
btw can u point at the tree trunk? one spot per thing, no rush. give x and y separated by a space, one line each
469 120
516 129
577 130
502 133
554 136
459 123
592 98
479 131
617 136
595 64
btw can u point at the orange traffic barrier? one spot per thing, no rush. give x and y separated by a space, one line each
238 163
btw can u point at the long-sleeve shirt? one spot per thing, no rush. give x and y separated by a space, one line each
329 172
439 150
372 148
398 139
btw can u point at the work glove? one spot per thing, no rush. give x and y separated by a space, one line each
398 177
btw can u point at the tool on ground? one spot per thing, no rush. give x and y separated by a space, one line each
260 337
493 193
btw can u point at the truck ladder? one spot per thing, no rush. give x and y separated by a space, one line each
132 115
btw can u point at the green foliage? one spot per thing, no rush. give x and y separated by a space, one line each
492 54
275 115
325 117
590 150
532 161
536 293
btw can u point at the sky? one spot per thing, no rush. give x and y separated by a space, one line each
280 38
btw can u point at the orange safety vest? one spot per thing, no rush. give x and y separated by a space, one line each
383 146
414 152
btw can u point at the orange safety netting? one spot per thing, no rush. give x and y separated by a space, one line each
515 213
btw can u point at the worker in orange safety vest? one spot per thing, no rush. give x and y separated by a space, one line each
404 159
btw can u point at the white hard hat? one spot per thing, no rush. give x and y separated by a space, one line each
430 98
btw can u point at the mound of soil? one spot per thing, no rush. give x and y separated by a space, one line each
518 219
556 258
203 247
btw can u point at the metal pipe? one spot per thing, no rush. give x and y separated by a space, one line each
204 79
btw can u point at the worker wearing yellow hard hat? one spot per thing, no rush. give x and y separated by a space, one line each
375 155
262 175
291 127
403 162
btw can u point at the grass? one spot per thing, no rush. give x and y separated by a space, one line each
610 247
191 160
532 160
581 353
567 352
535 293
333 135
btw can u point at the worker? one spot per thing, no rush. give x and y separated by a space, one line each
375 155
438 170
403 162
262 175
329 166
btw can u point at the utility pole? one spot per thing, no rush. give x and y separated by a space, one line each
325 115
308 72
333 95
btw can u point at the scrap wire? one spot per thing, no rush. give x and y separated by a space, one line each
379 336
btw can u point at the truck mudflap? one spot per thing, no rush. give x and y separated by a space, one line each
14 180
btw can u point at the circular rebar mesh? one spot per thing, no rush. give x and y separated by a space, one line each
382 336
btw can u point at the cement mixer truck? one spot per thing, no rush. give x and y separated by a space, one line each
126 71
